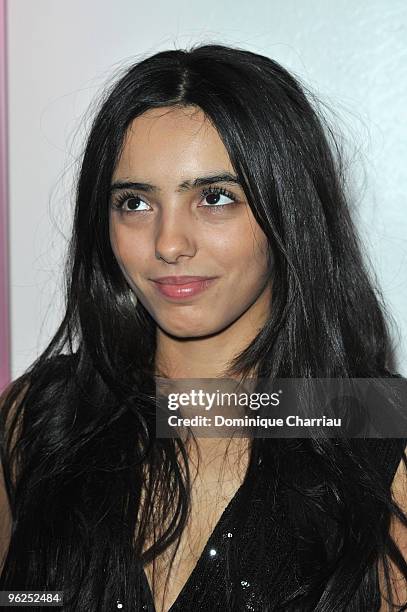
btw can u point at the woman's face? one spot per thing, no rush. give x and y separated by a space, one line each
169 226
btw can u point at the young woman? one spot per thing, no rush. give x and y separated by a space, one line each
212 164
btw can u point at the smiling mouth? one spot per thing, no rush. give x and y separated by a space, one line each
180 280
173 288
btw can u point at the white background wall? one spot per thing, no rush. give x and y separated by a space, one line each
354 54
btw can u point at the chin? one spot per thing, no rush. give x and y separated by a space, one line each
185 331
188 329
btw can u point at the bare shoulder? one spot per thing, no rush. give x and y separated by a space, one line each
398 532
5 514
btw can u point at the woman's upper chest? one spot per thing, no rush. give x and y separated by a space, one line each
209 505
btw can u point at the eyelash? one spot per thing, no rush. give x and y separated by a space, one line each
126 195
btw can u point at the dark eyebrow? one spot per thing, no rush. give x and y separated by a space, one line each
225 177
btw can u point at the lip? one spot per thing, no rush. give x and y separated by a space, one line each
182 287
180 280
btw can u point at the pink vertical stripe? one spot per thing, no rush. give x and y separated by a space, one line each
4 241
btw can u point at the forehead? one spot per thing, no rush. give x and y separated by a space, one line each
174 141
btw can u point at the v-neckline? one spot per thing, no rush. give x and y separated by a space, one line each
200 560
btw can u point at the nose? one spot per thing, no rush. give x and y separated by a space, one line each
175 237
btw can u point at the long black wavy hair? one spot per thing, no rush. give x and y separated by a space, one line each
78 431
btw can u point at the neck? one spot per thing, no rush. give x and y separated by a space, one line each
205 357
210 357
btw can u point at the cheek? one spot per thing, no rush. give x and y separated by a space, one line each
254 253
242 251
127 248
261 252
262 255
114 237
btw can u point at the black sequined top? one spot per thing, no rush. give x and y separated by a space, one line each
254 548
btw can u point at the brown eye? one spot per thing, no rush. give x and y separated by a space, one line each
129 203
133 203
215 194
213 198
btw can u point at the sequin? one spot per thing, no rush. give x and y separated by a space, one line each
245 584
212 552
